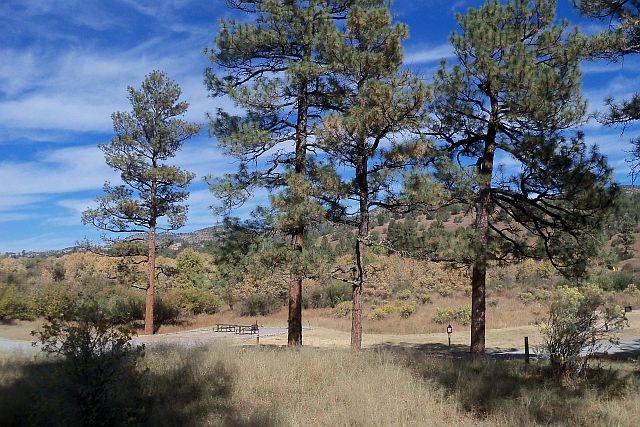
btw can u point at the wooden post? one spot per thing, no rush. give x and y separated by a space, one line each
526 350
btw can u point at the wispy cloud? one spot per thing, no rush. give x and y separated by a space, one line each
428 55
57 171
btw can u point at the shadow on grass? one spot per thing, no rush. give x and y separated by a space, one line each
509 389
182 392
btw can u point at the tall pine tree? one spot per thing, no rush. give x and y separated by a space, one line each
513 95
146 138
369 138
274 68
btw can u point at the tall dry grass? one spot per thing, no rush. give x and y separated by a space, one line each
267 386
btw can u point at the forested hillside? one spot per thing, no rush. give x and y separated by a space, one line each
415 259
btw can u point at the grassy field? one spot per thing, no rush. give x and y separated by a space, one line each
400 379
273 386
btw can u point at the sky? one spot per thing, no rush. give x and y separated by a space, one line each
65 67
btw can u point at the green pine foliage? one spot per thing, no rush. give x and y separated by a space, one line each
515 91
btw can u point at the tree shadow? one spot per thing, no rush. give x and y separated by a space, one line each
39 393
505 386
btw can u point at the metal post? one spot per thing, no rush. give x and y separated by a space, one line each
526 350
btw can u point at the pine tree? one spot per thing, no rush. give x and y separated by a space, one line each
515 93
274 68
622 39
368 138
146 138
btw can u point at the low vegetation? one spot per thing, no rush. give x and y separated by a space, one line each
265 386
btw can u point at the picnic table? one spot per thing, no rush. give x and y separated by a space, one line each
238 329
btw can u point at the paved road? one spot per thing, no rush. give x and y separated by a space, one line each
16 346
626 348
185 339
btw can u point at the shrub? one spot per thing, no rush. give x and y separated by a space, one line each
123 309
192 301
343 309
462 315
383 312
97 358
337 292
424 298
329 295
13 305
615 280
576 325
527 297
164 311
405 294
632 291
407 310
444 290
401 286
54 300
259 304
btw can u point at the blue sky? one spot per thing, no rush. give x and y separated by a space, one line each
65 68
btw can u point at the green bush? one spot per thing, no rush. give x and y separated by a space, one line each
527 297
407 310
13 305
192 301
337 292
97 357
123 309
461 315
329 295
383 312
424 298
259 304
444 290
165 311
54 300
405 294
576 325
401 286
343 309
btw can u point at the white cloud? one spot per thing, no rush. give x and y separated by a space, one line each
428 55
57 171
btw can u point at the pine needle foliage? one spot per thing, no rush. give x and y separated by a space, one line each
514 96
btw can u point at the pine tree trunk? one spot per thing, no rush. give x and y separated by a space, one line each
478 278
294 333
356 311
479 270
148 315
363 232
294 337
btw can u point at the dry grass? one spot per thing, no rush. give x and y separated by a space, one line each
401 385
329 387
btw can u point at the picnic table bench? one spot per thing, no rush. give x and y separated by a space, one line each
238 329
247 329
225 327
